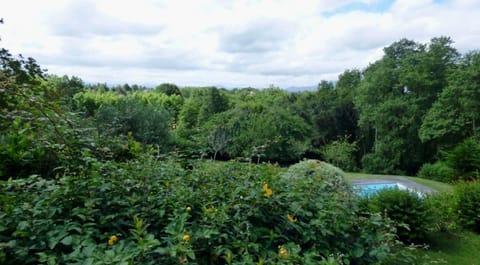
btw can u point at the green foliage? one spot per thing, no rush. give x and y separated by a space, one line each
74 215
468 205
439 171
263 134
254 128
375 163
465 159
200 106
168 89
146 123
20 90
20 156
460 163
79 179
117 148
409 211
38 134
329 111
65 87
89 101
341 153
455 115
395 94
443 212
216 213
218 139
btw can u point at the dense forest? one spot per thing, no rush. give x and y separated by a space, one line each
235 176
412 107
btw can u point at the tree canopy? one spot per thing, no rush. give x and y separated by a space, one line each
400 112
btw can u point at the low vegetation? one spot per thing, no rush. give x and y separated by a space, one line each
214 213
407 209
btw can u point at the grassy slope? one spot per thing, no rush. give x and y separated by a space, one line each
439 186
454 248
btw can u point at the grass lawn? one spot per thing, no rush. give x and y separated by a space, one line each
461 248
439 186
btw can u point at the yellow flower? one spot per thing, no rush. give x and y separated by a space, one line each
188 208
267 192
282 252
186 237
291 218
113 239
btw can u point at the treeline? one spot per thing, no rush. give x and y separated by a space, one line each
417 105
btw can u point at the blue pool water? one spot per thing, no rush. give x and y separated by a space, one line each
366 190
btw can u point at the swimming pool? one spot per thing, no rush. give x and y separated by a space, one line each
369 189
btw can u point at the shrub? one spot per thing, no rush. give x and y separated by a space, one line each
70 219
216 213
407 209
443 211
468 205
341 153
465 159
20 157
375 163
117 148
439 171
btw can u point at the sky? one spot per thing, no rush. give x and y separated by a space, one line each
257 43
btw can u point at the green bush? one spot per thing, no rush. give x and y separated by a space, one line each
406 209
375 163
147 124
146 211
117 148
261 134
468 205
341 153
465 159
443 211
439 171
20 156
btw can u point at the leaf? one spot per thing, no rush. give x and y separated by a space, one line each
22 225
358 252
52 260
161 251
67 240
52 242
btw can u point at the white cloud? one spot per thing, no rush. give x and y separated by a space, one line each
230 43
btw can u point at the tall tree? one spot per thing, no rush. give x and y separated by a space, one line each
393 97
456 113
202 104
65 87
169 89
262 132
329 110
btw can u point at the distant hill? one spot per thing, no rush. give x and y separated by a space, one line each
301 88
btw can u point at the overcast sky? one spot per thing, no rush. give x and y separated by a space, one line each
225 43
